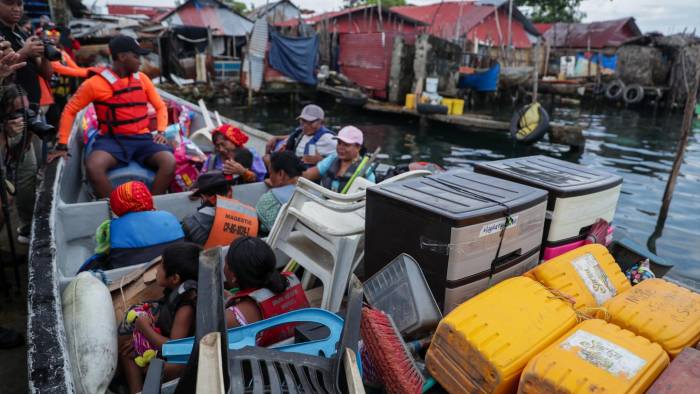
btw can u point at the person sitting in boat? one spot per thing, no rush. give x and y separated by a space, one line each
146 327
261 291
227 139
335 171
121 95
139 233
311 141
220 219
240 167
285 170
207 188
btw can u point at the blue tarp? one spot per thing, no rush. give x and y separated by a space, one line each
295 57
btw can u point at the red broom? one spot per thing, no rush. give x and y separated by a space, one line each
388 353
598 232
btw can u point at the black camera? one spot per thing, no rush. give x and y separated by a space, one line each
51 53
36 125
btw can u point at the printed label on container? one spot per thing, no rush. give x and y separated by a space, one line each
595 278
604 354
495 227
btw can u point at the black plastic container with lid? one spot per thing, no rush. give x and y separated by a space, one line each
452 224
578 195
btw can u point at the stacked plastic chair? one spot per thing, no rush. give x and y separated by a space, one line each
323 232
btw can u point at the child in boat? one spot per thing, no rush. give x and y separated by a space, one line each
227 139
139 234
285 170
207 187
260 288
239 167
172 317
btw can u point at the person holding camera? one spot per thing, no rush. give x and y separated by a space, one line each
30 49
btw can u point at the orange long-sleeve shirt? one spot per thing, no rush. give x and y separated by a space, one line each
70 69
97 89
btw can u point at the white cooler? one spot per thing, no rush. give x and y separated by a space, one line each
578 195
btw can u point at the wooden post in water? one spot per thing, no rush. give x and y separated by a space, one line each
535 74
688 115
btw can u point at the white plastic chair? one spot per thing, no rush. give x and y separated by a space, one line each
324 232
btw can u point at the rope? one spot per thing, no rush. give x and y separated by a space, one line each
582 314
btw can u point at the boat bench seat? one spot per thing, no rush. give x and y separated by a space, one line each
132 172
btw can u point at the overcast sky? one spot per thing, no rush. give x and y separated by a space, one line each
666 16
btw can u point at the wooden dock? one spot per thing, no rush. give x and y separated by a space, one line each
558 133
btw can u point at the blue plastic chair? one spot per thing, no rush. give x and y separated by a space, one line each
178 351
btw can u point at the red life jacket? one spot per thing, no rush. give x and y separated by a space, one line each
126 112
271 304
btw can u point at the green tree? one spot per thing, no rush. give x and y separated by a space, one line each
385 3
237 6
550 11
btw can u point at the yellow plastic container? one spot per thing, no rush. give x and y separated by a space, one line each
484 344
447 103
595 357
589 275
410 101
659 311
457 107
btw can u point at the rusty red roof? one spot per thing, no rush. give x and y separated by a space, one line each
453 19
543 27
124 9
597 35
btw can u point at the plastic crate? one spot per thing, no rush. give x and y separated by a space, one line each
400 290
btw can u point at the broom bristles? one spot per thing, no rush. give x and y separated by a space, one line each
388 353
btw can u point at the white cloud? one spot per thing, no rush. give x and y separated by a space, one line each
667 16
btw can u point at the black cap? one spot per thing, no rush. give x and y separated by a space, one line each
122 43
209 181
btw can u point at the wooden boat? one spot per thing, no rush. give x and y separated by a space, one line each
344 95
64 225
482 80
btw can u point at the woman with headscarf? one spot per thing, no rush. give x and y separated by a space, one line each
228 143
138 234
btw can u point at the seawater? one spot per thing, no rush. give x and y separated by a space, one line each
638 145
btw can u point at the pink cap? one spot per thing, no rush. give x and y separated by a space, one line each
350 135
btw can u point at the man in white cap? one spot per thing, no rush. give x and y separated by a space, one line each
335 170
311 141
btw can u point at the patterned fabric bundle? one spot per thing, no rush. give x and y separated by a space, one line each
233 134
130 197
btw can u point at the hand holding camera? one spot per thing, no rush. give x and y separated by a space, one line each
33 47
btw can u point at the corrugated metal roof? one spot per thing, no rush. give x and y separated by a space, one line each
543 27
451 20
336 14
209 13
604 34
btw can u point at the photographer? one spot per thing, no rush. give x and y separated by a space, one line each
14 149
30 49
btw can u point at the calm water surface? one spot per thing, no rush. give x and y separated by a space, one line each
637 145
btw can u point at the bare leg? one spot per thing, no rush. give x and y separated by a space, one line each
97 165
132 372
164 163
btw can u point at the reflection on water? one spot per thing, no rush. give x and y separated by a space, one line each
639 146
